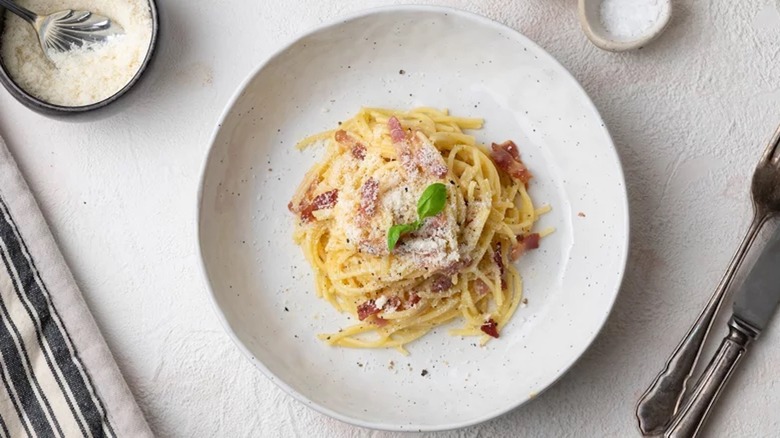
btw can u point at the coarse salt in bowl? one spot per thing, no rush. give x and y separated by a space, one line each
83 79
619 25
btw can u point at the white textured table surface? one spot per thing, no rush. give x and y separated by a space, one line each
689 115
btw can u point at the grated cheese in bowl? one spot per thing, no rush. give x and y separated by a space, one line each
83 76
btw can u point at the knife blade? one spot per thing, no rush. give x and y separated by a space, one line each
759 296
754 304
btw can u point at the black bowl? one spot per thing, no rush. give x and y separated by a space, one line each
95 109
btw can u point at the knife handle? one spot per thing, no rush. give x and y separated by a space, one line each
689 421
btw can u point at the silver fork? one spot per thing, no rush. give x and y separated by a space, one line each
659 404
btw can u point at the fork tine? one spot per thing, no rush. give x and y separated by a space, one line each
771 149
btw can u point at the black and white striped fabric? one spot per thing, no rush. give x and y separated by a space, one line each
57 376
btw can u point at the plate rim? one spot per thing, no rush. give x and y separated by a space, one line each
625 222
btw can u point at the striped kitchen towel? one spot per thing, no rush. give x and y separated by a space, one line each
57 376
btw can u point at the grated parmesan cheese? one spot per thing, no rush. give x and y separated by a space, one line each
432 248
86 75
380 302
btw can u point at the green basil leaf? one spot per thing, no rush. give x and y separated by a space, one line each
395 232
432 201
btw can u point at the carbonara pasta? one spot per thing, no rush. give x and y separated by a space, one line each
409 224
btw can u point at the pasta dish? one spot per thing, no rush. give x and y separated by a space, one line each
409 224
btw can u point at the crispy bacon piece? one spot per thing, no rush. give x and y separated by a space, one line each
358 150
367 309
431 226
441 283
455 267
323 201
524 243
299 202
413 300
490 328
436 223
423 155
397 132
499 260
429 158
393 303
511 147
369 194
326 200
503 157
433 164
342 137
305 206
531 241
401 144
481 287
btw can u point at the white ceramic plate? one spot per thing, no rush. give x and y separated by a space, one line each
404 57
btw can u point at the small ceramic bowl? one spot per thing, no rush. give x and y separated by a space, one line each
590 19
61 111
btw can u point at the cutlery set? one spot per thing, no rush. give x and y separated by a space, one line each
659 409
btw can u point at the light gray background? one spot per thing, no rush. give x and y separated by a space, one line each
689 114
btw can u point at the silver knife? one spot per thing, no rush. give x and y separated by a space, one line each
754 305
